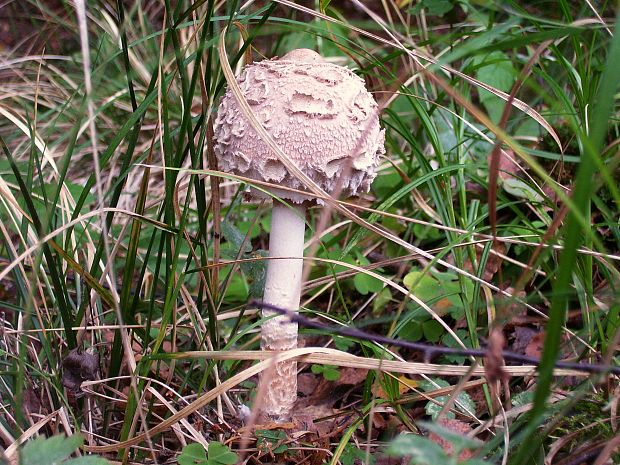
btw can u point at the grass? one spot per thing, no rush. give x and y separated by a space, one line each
495 208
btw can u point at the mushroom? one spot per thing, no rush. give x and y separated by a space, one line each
326 122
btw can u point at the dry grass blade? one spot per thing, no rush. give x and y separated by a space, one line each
95 213
265 186
11 451
205 399
336 357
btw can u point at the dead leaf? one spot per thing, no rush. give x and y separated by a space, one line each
79 366
494 360
307 383
515 309
304 419
456 426
387 460
551 194
320 397
521 338
404 385
508 166
32 403
494 366
535 346
379 422
351 376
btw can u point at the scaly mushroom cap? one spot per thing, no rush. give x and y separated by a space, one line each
319 114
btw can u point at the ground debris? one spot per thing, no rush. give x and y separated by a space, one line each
79 366
455 426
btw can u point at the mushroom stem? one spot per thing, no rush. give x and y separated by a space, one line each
282 289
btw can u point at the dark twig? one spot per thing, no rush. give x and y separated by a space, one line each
428 350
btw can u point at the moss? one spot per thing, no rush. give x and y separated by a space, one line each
587 412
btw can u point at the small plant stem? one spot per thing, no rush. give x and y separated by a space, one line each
283 289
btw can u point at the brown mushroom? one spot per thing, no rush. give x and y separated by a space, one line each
323 118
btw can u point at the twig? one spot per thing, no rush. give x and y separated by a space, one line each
428 350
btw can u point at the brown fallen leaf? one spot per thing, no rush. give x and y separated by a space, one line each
320 397
494 360
494 366
79 366
404 385
514 310
536 344
521 338
305 420
351 376
307 383
456 426
508 166
32 403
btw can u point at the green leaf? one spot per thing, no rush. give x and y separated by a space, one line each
256 272
424 232
244 227
463 401
272 435
521 190
365 284
448 341
522 398
329 372
422 451
272 440
316 369
433 409
433 7
393 224
233 235
237 290
433 289
352 455
335 255
434 383
45 451
193 454
422 285
324 4
57 450
219 454
381 300
343 343
412 331
432 330
497 71
385 183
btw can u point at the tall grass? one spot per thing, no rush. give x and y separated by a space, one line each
496 207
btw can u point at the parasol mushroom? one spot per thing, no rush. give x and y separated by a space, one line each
326 122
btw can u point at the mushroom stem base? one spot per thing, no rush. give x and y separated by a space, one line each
283 290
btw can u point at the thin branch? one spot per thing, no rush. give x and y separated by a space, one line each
428 350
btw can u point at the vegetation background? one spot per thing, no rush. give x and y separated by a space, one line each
127 260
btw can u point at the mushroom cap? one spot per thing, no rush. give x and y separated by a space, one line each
320 115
